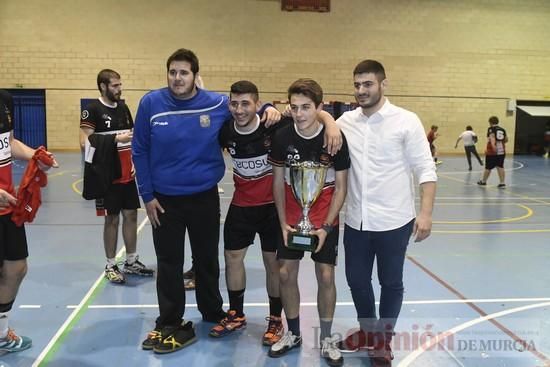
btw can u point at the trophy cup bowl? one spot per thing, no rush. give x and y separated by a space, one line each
307 179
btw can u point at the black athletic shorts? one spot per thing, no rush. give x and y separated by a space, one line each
242 223
327 255
120 196
13 240
492 161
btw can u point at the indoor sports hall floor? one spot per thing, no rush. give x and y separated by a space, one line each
481 283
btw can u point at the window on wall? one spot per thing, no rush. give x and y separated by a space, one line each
306 5
29 107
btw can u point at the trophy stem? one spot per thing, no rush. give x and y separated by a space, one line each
305 225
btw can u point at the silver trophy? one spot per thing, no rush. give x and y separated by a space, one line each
306 180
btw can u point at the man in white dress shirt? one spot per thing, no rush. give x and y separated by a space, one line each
389 152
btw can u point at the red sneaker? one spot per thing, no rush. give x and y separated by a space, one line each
356 341
381 356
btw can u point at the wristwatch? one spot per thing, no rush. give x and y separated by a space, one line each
327 227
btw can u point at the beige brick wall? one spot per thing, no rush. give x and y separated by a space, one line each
452 62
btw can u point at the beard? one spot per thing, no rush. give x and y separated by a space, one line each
113 97
187 90
372 101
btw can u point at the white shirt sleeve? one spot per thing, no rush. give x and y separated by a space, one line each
417 152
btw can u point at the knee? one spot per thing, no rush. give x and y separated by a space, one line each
270 262
357 281
112 220
232 259
396 286
15 273
284 275
130 216
326 278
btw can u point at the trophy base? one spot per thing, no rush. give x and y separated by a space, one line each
302 242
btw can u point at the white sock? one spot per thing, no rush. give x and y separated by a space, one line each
111 262
3 324
131 258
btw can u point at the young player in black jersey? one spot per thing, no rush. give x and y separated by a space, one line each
109 115
299 142
252 210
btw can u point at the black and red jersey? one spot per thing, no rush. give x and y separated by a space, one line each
252 173
500 141
289 147
6 126
104 119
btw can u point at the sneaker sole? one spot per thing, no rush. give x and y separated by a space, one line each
283 352
137 273
358 349
214 335
116 281
268 343
332 363
147 347
162 351
7 350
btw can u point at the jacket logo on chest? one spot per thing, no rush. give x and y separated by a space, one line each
204 120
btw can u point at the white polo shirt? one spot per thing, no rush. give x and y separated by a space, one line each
386 151
467 137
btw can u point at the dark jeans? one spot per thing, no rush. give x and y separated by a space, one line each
389 248
469 150
200 215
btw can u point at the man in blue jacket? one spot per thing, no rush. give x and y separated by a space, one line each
178 164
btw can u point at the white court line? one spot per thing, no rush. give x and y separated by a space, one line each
495 198
442 336
312 304
30 306
519 166
77 309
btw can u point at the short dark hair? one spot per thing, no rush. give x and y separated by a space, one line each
493 120
309 88
435 127
105 77
245 87
184 54
469 127
370 66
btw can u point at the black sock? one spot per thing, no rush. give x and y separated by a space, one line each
326 326
236 301
294 325
275 306
6 307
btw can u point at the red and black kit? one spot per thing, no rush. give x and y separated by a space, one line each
104 119
13 241
290 147
252 209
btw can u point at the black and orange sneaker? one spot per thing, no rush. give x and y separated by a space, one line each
154 337
275 330
176 338
228 324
